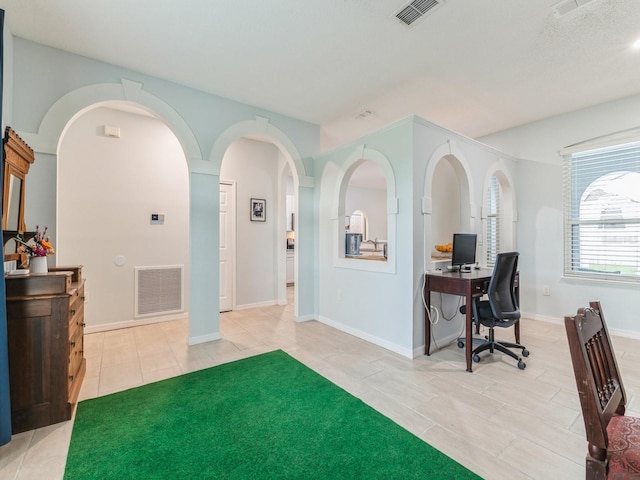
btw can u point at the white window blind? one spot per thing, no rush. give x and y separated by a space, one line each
602 213
493 221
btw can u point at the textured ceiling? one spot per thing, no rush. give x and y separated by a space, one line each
473 66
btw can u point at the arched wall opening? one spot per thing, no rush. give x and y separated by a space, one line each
256 169
279 160
204 177
366 212
203 326
354 161
118 165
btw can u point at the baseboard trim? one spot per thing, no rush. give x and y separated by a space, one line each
133 323
248 306
203 338
541 318
408 353
560 321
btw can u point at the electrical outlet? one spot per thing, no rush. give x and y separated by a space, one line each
546 291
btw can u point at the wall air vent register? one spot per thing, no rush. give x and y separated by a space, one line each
158 290
415 10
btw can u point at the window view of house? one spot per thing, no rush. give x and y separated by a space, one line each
603 217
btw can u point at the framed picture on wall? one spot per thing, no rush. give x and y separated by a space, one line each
258 210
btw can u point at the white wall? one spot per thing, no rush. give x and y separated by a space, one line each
253 166
107 190
374 305
540 214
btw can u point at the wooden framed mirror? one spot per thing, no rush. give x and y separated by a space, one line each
17 158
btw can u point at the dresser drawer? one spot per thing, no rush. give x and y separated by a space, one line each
76 349
76 323
76 300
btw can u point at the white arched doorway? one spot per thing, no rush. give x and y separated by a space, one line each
260 130
117 166
203 325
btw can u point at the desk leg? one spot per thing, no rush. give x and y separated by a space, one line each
468 342
427 322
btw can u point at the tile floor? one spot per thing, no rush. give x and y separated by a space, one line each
501 422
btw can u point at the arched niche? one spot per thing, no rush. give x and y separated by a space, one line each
447 204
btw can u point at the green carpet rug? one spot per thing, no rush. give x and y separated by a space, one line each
265 417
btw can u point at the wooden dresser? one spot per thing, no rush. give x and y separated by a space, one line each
45 329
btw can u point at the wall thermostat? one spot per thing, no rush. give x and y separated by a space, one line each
157 218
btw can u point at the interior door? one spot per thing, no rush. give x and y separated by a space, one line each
227 245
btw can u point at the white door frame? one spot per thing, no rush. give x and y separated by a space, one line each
229 283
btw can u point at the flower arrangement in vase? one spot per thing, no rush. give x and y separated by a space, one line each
37 248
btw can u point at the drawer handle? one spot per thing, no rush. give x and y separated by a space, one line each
73 344
82 324
73 312
71 377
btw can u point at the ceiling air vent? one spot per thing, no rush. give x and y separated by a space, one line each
566 6
416 9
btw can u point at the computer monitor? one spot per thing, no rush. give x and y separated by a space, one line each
464 250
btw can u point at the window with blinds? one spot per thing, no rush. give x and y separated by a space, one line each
493 221
602 213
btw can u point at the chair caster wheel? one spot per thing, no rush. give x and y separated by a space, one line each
476 357
525 353
460 344
521 365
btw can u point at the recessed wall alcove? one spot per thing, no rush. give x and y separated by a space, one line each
447 203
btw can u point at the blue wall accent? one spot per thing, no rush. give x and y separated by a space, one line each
5 404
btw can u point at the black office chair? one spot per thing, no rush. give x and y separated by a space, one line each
500 310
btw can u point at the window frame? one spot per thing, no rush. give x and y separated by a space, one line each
493 197
583 165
